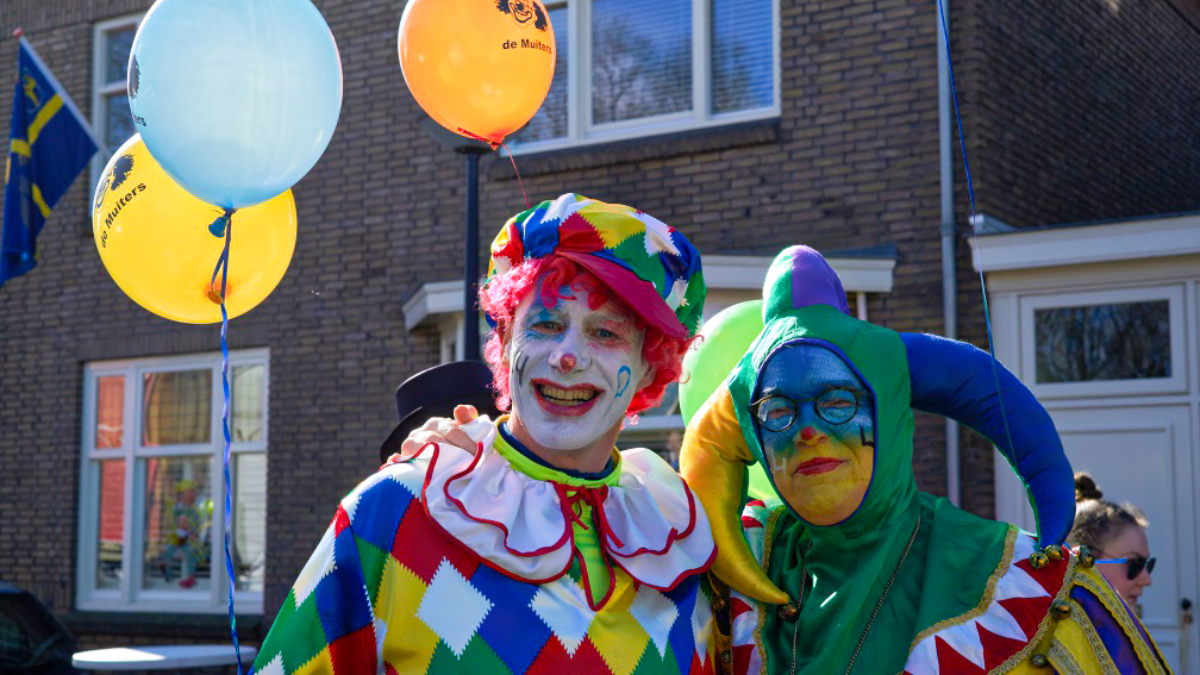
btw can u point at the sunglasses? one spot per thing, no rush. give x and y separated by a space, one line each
1133 565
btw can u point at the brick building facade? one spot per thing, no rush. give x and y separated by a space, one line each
1070 113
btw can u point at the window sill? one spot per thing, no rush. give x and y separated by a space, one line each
157 625
759 132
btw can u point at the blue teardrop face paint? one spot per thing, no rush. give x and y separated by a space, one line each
575 369
821 463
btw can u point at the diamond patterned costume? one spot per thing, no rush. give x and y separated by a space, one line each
450 563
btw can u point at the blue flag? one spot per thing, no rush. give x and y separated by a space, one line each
49 143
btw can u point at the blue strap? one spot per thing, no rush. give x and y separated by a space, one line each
957 380
224 225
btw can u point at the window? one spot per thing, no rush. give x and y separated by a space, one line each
151 533
630 68
1111 341
1098 343
111 42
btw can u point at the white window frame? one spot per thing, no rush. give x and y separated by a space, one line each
580 129
130 597
1176 383
101 86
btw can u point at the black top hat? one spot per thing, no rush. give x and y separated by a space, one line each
434 393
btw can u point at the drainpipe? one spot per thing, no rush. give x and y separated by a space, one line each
948 231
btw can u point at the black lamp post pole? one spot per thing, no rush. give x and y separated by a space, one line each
471 149
471 267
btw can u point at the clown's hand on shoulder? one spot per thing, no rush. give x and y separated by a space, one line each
464 431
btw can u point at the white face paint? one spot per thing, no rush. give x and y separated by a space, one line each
573 370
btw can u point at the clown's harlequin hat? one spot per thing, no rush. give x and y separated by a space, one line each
649 264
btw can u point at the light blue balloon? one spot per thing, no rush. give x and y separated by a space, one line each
236 99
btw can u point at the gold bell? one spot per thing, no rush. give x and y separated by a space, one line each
1039 661
1060 609
1038 560
1086 558
789 612
1054 553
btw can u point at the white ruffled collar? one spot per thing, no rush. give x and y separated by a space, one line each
648 521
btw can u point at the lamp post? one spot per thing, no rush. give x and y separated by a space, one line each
471 149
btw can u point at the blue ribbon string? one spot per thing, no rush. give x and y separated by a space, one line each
224 225
962 144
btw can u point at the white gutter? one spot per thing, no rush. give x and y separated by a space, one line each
949 268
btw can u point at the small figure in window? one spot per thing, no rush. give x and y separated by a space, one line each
183 543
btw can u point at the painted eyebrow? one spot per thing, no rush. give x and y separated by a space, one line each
540 314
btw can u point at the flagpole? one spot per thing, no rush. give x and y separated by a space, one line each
19 33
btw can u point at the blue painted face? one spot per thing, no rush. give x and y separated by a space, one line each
815 418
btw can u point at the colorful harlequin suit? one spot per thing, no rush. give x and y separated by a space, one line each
493 563
908 582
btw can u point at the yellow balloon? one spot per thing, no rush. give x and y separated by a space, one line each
154 239
480 68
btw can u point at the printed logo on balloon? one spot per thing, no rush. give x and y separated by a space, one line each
523 13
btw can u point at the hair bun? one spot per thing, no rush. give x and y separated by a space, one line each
1085 487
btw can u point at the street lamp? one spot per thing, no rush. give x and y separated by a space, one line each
471 149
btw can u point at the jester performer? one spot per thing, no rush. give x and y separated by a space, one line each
541 549
852 570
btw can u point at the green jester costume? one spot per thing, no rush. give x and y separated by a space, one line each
851 569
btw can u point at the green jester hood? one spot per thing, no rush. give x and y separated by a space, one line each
903 561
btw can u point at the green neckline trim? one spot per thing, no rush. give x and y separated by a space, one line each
538 472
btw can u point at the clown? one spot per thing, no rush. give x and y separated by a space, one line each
851 569
541 549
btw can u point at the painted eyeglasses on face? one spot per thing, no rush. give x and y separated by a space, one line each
776 413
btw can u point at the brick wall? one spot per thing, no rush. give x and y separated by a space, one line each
852 162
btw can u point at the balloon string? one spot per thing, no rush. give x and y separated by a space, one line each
494 144
516 171
222 268
987 317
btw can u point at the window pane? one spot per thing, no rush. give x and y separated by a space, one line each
177 408
642 58
551 119
742 55
110 411
118 121
111 524
248 417
249 520
178 522
1124 341
116 58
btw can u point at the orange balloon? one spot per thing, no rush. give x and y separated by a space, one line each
480 68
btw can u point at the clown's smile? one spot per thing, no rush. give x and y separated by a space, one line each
570 401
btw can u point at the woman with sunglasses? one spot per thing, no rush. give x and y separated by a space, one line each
1116 533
